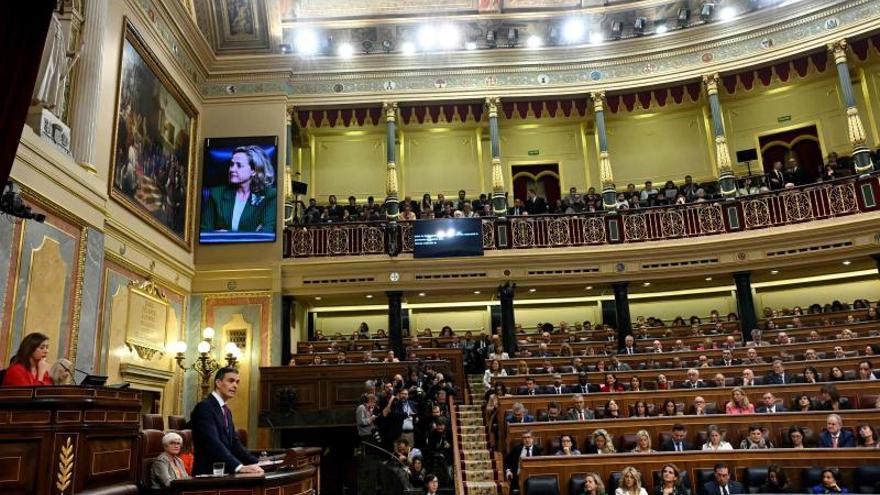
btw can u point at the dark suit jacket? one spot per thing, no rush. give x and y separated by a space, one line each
779 408
213 441
669 446
798 176
777 179
258 214
846 439
536 206
776 379
733 487
511 461
578 389
689 384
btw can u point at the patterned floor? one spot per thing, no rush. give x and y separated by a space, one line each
478 469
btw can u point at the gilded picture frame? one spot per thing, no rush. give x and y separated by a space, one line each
152 165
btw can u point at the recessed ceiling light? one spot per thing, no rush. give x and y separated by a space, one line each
727 13
573 30
449 36
345 50
532 290
534 41
708 279
589 287
774 272
661 29
426 37
476 292
307 43
317 298
847 263
596 37
646 284
470 45
408 48
369 296
421 294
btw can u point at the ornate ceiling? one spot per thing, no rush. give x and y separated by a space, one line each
376 26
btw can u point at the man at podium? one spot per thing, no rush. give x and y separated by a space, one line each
213 432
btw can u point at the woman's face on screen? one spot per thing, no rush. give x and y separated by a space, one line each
240 170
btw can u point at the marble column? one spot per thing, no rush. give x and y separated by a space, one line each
726 179
395 323
86 96
506 293
621 309
289 205
606 176
392 203
861 155
745 305
499 199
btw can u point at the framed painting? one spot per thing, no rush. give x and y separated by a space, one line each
151 170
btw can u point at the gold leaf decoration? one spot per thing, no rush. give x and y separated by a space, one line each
65 466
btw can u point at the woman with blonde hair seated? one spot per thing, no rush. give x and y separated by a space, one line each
739 403
601 443
168 466
62 372
643 443
630 482
593 485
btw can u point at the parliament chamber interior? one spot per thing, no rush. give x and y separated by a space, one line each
471 247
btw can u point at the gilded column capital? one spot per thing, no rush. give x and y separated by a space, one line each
598 100
838 51
710 81
390 110
290 111
492 103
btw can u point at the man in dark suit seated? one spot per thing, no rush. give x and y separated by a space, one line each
723 485
519 414
833 437
511 462
693 380
679 441
531 388
778 376
770 406
213 432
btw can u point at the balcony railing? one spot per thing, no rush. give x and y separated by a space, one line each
819 201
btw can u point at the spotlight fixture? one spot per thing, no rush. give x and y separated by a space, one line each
408 48
491 38
660 27
367 45
449 36
426 37
317 298
533 290
387 46
470 45
421 294
847 263
12 204
708 279
589 287
616 30
726 14
646 284
706 11
476 292
534 41
596 37
307 43
573 30
774 272
512 37
285 48
369 296
639 26
684 15
345 50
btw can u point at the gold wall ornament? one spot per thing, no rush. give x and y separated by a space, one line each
497 176
605 173
390 110
722 155
838 51
146 319
492 103
65 466
598 100
855 128
710 81
391 187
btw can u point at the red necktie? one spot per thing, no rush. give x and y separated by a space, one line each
833 442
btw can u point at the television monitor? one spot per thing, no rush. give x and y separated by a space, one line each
748 155
239 190
448 237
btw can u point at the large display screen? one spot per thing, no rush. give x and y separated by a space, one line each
448 237
239 190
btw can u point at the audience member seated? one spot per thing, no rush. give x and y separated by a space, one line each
519 414
693 379
669 408
494 369
512 461
796 436
770 405
830 482
755 439
28 367
553 413
611 384
578 411
834 436
867 436
630 482
739 403
670 482
679 441
715 440
777 481
168 466
61 372
567 446
830 400
722 484
602 443
643 443
593 485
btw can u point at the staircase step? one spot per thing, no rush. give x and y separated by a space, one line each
468 465
480 475
476 455
481 488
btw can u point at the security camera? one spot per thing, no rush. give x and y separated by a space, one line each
12 204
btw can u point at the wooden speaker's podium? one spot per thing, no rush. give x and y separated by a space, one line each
69 440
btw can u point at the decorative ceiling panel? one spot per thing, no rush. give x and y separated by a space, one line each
235 25
347 9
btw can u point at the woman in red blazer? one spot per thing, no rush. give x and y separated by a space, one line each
29 368
611 384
